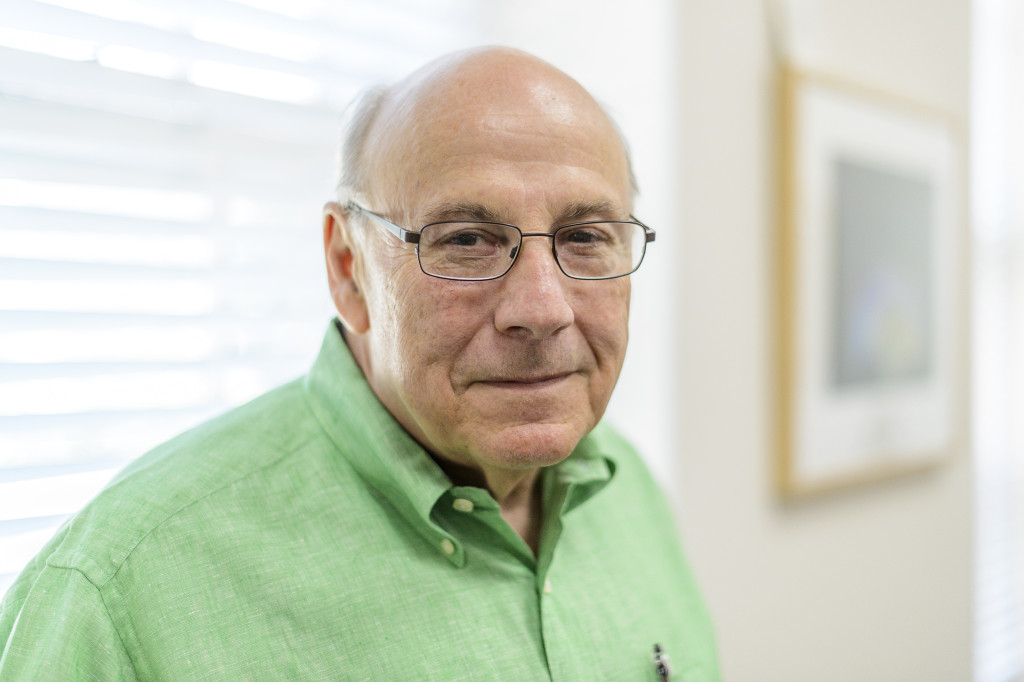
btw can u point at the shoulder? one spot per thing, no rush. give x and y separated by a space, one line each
175 478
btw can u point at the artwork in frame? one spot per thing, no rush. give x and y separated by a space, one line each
871 272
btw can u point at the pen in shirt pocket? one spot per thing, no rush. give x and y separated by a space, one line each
661 664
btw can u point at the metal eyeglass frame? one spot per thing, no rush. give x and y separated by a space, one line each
413 237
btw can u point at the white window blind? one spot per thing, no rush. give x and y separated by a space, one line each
163 165
998 338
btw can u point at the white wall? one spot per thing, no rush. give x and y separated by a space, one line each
870 584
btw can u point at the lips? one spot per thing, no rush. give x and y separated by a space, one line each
527 381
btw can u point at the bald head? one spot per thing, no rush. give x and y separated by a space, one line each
501 93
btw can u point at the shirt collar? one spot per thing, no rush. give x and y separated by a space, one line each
398 467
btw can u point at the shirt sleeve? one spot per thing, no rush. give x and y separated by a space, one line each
61 631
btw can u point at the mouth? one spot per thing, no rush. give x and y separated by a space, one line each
541 381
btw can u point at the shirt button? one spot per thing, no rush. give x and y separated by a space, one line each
447 547
547 587
463 505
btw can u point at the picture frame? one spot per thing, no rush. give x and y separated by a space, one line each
870 280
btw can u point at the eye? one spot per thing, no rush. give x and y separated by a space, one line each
585 235
463 238
588 236
467 238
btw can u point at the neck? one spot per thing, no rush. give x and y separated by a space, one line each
517 493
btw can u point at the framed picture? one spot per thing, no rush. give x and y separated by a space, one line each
870 283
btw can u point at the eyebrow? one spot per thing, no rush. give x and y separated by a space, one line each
574 212
462 211
588 210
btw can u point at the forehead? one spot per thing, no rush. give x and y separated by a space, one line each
528 137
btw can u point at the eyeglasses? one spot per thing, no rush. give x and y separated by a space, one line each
479 250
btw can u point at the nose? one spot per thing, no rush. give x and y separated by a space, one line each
534 304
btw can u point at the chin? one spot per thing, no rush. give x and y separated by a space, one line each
532 446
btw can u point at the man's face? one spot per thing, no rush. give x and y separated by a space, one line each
509 373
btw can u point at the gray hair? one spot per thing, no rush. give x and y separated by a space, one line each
359 119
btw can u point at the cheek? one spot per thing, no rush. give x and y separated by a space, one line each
430 324
603 316
609 343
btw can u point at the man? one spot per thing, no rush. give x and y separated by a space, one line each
436 499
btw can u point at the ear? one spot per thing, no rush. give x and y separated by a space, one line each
344 270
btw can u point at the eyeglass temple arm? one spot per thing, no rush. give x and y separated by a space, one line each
403 234
649 233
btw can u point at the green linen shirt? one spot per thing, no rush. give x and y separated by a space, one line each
307 536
